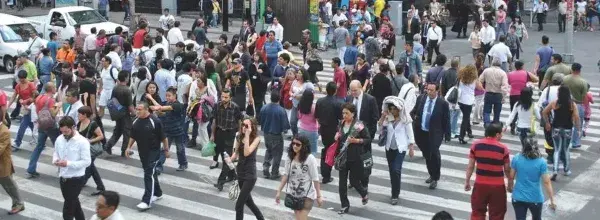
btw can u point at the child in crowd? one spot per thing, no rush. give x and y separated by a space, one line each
588 110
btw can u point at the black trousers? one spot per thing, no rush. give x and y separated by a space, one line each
151 186
355 168
540 20
328 138
122 128
395 160
465 126
431 46
431 153
91 171
561 22
486 48
224 142
367 171
424 43
70 188
17 109
245 198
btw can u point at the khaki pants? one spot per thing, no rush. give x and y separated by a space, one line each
11 189
172 49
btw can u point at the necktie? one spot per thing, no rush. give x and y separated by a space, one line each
428 115
357 109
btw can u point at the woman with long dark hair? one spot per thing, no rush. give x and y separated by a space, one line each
564 117
140 83
518 80
245 146
479 93
151 96
525 110
299 85
90 130
259 77
468 83
301 175
128 59
529 169
353 138
361 71
307 123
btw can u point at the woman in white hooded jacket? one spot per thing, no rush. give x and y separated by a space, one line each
396 125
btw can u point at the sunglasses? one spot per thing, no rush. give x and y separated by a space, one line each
296 144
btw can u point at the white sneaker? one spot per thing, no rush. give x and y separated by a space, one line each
155 198
143 206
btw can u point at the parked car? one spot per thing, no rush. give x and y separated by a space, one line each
14 39
62 21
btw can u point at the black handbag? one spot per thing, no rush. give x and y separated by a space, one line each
292 202
367 159
382 137
340 160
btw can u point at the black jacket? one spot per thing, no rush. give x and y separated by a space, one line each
439 122
415 27
369 113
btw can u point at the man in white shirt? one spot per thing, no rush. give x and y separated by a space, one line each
73 99
159 44
114 56
183 82
277 28
191 39
434 39
488 36
166 20
106 206
89 45
540 13
562 15
502 52
174 36
164 79
35 46
109 76
147 51
408 93
339 16
328 9
72 157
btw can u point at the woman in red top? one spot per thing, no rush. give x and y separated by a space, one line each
260 45
26 91
138 37
286 86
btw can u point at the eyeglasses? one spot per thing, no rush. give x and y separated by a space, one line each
296 144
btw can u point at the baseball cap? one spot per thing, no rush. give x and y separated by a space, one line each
237 61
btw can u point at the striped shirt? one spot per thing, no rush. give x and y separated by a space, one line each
490 156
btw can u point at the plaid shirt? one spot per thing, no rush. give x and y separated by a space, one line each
228 116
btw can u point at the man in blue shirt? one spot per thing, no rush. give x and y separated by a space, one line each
45 64
53 45
102 5
164 79
350 55
273 123
542 59
272 48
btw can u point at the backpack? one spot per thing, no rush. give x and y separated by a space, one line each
452 96
45 118
111 40
116 110
142 57
128 60
111 74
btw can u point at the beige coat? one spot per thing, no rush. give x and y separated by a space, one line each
6 168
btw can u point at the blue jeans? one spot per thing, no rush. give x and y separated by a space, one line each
491 101
52 133
523 133
213 21
576 138
25 122
272 62
45 79
522 207
294 120
180 143
502 28
313 138
58 81
454 114
561 138
395 160
127 11
341 51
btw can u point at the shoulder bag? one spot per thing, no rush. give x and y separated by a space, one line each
292 202
95 148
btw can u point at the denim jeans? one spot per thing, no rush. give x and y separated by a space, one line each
502 29
576 138
313 138
341 51
561 138
51 133
274 146
43 80
127 11
213 21
25 122
180 144
454 115
58 81
522 207
523 133
492 101
395 160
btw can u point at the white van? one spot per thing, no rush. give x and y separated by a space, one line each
14 37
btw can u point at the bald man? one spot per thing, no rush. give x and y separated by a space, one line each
367 112
44 100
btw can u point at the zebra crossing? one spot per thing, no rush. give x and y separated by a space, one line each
191 195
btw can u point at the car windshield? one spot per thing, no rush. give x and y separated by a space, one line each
85 17
9 35
23 30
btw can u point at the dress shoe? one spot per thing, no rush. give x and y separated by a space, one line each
327 180
394 201
462 141
97 193
214 165
344 210
428 180
433 184
266 173
470 136
275 176
219 186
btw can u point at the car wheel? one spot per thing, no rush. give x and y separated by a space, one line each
9 64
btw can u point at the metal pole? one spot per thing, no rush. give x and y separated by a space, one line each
568 57
396 17
225 19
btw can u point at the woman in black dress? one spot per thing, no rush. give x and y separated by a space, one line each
259 77
245 146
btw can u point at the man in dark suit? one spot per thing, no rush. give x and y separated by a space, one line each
328 111
368 113
411 27
424 28
431 124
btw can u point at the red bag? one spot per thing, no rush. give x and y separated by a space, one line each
330 154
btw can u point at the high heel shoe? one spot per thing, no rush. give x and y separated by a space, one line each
462 141
344 210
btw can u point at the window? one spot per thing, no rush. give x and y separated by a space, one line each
85 17
10 36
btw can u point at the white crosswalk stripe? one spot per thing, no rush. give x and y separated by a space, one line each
190 194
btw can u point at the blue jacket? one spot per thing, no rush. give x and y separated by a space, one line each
273 119
272 48
350 55
414 63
